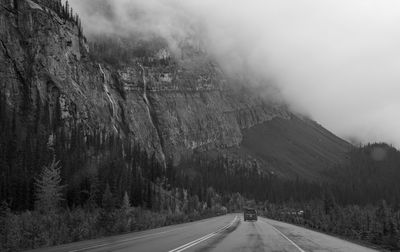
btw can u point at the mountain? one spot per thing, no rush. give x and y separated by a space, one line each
295 147
94 105
370 175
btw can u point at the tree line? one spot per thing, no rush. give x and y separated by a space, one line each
377 224
123 51
63 10
361 201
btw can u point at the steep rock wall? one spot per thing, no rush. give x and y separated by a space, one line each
50 86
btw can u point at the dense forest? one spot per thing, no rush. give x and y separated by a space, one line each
121 198
361 203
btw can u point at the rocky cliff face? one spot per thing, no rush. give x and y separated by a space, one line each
115 112
52 91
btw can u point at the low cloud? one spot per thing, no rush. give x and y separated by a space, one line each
334 60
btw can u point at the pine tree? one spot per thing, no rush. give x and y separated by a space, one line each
329 202
107 217
4 209
382 214
94 190
124 216
66 10
126 204
108 199
48 188
15 4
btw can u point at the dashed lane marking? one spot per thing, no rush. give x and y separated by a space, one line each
127 240
204 238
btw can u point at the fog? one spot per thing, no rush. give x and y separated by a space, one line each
336 61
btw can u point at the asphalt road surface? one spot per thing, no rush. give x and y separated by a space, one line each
224 233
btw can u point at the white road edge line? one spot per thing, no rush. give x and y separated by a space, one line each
204 238
284 236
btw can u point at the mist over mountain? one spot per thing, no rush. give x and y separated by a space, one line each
335 61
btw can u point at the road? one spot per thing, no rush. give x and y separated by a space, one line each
223 233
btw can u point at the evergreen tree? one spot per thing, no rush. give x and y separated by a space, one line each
107 218
66 10
108 202
329 202
126 204
48 188
94 190
4 209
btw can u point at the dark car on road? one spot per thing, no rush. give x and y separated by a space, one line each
250 214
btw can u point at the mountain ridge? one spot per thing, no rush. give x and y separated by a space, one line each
296 148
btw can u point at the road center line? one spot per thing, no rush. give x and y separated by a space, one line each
204 238
126 240
129 239
284 236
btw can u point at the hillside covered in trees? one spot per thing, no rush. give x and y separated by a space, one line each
362 201
152 197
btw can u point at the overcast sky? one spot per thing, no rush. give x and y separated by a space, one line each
337 61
